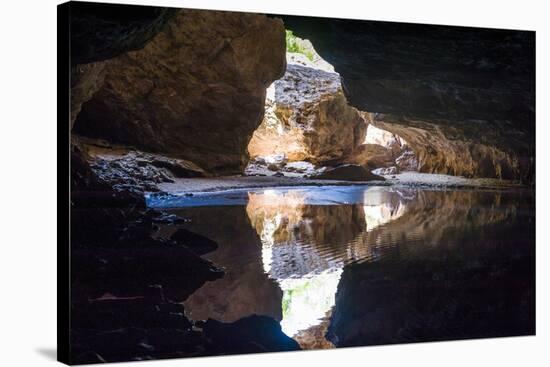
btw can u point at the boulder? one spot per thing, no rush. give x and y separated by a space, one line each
386 171
124 168
348 172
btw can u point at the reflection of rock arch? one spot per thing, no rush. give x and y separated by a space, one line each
284 253
305 247
460 266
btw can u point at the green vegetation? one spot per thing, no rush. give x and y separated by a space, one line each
293 45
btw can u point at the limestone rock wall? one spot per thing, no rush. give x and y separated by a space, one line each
307 117
438 153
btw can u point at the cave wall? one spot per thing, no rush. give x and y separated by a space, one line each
437 153
191 84
195 91
476 85
100 32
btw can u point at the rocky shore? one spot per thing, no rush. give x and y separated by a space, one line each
129 283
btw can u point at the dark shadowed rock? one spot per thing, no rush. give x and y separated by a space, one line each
196 91
103 31
428 72
197 243
127 271
252 334
476 85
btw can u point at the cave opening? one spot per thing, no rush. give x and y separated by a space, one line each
309 127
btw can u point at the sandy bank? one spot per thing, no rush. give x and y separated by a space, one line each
408 179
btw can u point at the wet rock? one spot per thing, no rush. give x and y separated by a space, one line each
253 334
165 218
197 243
139 312
348 172
88 190
195 91
386 171
126 271
132 328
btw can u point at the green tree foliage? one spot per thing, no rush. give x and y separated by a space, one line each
293 45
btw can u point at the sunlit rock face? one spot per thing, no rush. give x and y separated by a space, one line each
195 91
307 116
383 151
436 152
476 85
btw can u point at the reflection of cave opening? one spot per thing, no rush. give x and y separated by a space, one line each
304 248
308 125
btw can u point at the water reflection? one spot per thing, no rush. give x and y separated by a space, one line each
305 247
285 250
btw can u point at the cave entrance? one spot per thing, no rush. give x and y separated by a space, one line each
309 127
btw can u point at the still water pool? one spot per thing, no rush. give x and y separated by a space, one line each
363 265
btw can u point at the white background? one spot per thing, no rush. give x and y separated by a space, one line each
28 182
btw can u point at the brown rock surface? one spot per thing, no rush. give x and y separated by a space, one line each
438 153
307 117
196 91
244 288
371 156
86 80
348 172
